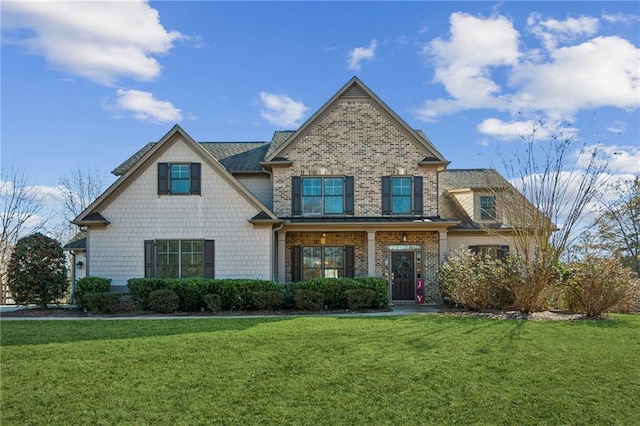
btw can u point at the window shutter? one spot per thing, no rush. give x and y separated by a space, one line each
348 195
209 258
149 259
195 178
296 271
503 253
163 178
417 195
349 261
386 194
296 195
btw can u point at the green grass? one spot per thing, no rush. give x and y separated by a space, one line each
422 369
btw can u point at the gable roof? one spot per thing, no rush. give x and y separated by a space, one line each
355 88
145 157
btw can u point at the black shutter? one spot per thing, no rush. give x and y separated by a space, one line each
503 253
386 195
349 261
149 259
296 261
296 195
417 195
209 259
163 178
348 195
195 178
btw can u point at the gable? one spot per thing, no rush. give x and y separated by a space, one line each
356 95
178 146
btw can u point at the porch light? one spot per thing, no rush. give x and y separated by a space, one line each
404 237
79 265
323 239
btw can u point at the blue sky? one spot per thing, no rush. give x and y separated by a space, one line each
86 84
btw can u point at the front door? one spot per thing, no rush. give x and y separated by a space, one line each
403 277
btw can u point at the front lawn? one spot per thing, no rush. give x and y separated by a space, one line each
420 369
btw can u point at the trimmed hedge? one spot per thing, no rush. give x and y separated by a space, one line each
247 294
163 301
88 285
360 298
308 300
104 302
268 300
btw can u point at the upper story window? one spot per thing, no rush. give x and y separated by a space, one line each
402 195
315 196
488 208
179 178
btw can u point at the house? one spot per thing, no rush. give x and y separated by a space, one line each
354 191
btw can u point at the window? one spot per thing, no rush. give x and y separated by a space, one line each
179 178
316 196
488 208
493 252
310 262
402 195
179 258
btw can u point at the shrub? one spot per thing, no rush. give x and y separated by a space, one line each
334 290
141 288
163 301
213 302
308 300
88 285
530 284
598 285
360 298
37 271
103 302
379 285
268 300
474 283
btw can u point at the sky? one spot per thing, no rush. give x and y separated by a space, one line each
84 85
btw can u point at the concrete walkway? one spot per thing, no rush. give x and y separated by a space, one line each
396 310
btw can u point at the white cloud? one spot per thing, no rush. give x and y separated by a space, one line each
617 126
600 72
484 64
614 18
620 159
359 54
512 130
463 64
552 32
281 110
101 41
144 107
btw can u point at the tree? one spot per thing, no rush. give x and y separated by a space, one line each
618 227
552 199
20 205
79 189
37 271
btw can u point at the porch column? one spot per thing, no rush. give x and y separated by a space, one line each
282 247
371 253
443 245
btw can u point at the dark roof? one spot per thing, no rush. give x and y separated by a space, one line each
470 178
238 156
367 219
78 242
279 137
122 168
477 179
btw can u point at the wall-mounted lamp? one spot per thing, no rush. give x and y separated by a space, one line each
323 239
323 171
79 265
404 237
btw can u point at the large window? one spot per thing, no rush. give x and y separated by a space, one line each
488 208
179 258
316 196
402 195
179 178
310 262
491 251
322 262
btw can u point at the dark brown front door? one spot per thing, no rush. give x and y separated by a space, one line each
402 286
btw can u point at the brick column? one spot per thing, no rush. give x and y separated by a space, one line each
443 245
282 246
371 253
